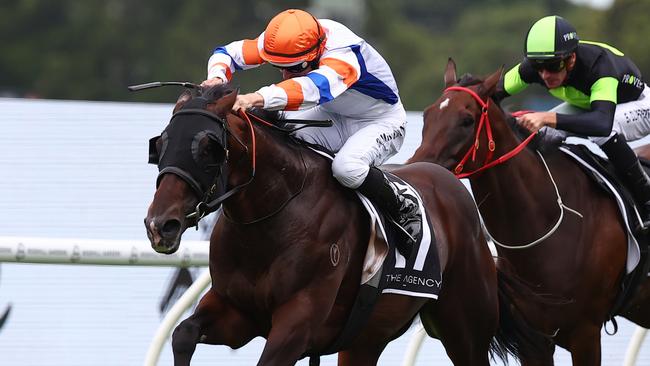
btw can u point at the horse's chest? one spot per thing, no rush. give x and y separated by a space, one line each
258 288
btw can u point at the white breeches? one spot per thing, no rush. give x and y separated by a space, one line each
358 143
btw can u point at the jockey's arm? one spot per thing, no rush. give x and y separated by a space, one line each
238 55
596 122
599 120
337 71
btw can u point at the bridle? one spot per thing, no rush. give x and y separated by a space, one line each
208 204
488 163
484 120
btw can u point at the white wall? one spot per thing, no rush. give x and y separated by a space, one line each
78 169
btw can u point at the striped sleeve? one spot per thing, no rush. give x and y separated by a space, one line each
338 70
238 55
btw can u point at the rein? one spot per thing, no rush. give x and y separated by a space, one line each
484 121
561 205
203 208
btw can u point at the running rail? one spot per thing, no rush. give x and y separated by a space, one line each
634 347
173 315
103 252
192 253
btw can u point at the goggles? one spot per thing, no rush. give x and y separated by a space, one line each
554 65
300 67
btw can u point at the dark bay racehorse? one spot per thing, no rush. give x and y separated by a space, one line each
286 253
580 257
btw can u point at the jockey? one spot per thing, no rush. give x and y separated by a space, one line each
603 92
329 73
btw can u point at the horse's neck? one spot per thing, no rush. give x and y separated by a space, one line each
280 172
518 191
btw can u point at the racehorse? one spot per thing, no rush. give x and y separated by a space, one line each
558 229
286 252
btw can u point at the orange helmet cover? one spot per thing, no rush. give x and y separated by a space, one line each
293 36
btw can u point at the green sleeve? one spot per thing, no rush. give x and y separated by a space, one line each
604 89
512 81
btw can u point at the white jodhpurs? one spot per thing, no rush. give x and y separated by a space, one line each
358 143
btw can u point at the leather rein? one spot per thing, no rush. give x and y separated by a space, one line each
207 205
484 121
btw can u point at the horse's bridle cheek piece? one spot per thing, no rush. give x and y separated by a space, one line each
190 126
484 121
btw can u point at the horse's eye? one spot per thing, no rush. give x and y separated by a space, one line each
467 121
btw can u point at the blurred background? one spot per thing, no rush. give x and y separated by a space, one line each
92 49
74 161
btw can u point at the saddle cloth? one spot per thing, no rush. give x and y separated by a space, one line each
384 266
418 275
601 172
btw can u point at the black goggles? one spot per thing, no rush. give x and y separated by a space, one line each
554 65
295 68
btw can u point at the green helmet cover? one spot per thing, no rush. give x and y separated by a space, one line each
550 37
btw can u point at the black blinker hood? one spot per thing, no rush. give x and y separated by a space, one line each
180 155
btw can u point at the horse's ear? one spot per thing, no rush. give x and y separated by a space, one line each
182 99
223 105
488 87
450 73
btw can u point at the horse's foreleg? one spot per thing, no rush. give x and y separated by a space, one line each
544 358
360 357
214 322
584 345
292 327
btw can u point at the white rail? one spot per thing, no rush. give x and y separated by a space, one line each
173 315
106 252
191 253
634 347
411 355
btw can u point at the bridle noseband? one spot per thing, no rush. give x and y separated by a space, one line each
208 203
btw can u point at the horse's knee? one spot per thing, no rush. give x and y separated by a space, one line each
185 336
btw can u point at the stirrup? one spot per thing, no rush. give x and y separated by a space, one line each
642 228
403 230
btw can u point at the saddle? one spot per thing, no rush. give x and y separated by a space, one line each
601 171
388 268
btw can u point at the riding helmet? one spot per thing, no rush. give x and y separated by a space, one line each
292 37
551 37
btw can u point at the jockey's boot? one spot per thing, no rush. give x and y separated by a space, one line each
629 168
402 209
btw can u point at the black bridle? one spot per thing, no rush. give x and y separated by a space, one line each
208 203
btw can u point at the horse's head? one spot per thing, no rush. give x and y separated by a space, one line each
452 122
190 154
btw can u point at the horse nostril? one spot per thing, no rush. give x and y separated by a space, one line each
171 228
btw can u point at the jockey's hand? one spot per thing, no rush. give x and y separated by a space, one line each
536 120
248 101
212 82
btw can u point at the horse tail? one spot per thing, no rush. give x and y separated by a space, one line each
514 335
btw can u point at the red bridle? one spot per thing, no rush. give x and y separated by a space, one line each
484 121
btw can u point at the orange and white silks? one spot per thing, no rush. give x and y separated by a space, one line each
348 64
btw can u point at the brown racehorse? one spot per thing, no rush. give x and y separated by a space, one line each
271 252
581 260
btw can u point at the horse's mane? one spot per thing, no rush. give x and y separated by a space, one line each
521 132
468 80
218 91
